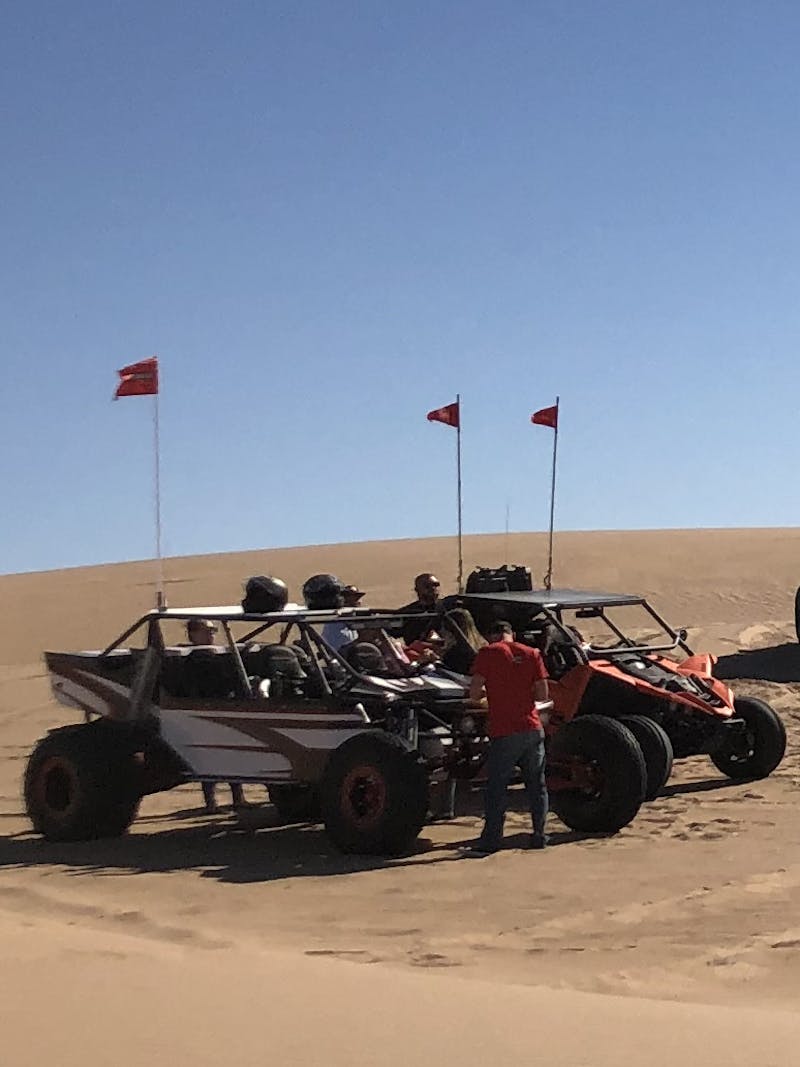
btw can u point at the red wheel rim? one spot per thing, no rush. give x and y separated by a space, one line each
364 796
580 775
56 786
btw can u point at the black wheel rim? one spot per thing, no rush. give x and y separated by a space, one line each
56 786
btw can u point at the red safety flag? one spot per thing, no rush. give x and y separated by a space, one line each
450 415
546 417
139 379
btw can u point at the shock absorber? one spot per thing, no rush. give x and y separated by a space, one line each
411 727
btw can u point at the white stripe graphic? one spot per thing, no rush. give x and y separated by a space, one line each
72 695
265 715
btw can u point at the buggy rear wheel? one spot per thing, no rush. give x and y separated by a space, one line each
374 795
656 749
757 751
596 774
80 784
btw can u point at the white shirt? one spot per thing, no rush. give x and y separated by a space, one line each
338 634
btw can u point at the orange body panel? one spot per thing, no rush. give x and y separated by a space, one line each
567 692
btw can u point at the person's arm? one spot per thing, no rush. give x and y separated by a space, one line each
541 690
395 649
477 691
422 652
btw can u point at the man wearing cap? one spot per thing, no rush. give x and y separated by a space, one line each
338 634
202 633
510 678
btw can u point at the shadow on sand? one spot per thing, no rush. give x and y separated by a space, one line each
254 847
705 785
257 847
779 663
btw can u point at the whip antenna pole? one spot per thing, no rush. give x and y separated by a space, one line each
458 468
548 578
508 510
160 599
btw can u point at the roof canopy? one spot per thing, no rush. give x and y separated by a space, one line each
557 598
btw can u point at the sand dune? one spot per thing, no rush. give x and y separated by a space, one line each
112 1002
196 935
698 577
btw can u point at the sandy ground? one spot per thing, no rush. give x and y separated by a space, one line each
198 935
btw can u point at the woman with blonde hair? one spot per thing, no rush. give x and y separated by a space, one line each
462 640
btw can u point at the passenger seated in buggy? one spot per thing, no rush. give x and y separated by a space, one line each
462 641
200 669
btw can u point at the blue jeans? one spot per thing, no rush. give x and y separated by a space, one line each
526 751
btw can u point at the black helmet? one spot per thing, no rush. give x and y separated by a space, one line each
323 591
263 594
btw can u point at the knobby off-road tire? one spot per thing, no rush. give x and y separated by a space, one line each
80 784
656 749
616 765
766 737
374 795
295 803
797 614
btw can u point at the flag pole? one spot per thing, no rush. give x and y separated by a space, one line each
508 512
160 600
458 467
548 578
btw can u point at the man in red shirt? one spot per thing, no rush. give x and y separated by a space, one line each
511 678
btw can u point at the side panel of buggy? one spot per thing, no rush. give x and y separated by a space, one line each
238 741
215 736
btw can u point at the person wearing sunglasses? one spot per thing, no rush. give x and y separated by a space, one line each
426 586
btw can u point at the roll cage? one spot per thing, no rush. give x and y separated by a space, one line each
320 653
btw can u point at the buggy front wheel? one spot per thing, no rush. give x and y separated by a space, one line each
596 775
757 750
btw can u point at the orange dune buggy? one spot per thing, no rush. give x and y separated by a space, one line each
632 666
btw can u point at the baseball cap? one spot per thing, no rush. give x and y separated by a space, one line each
353 592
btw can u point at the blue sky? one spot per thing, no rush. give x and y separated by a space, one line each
328 218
